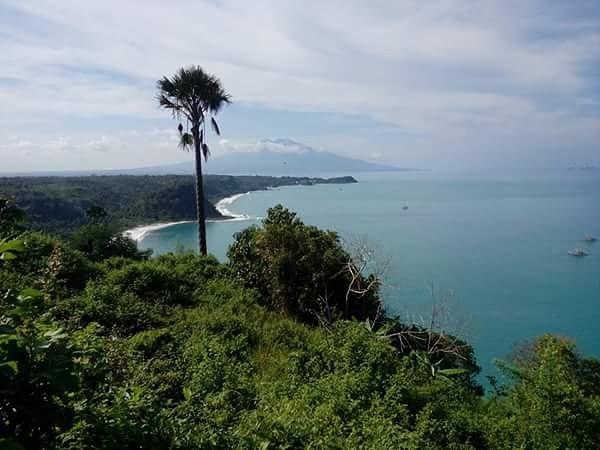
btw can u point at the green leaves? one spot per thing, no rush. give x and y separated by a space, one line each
11 217
187 393
9 354
10 444
37 374
29 294
55 336
453 372
302 271
8 249
174 352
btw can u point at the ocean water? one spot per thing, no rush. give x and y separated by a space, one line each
489 251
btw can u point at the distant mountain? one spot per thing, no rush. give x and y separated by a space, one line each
275 157
267 157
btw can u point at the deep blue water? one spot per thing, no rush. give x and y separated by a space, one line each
494 248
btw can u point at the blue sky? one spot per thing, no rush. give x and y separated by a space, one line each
447 84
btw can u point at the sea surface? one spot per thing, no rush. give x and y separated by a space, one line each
488 253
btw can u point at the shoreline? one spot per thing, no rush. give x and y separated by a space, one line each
138 233
222 205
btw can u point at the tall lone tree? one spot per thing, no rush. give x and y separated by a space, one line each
194 97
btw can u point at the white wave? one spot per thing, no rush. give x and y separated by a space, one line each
224 203
138 233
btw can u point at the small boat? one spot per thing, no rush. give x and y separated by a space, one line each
577 252
405 208
589 238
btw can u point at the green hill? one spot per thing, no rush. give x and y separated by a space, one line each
59 204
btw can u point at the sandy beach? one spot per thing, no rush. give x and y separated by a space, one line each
138 233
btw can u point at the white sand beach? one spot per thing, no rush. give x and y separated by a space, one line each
138 233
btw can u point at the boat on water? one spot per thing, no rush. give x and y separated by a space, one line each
589 238
405 207
577 252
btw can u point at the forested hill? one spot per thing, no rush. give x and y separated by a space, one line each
59 204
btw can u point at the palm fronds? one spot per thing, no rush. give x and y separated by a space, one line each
205 151
186 141
215 126
193 95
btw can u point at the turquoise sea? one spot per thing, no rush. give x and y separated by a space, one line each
494 248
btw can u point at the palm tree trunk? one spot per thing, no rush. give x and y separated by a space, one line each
199 192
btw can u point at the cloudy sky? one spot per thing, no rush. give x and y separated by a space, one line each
436 84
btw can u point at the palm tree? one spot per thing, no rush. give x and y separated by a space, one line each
194 96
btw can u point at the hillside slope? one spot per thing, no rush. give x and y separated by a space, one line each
59 203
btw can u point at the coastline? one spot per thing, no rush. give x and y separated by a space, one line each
222 205
138 233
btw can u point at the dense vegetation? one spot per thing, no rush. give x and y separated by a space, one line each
59 204
286 346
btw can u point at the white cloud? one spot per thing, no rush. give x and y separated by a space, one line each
283 145
276 145
60 144
15 146
455 70
103 144
162 132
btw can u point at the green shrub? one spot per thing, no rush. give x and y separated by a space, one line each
301 270
37 372
101 241
553 402
183 352
48 264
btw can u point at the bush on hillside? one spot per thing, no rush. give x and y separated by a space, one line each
553 401
175 352
11 218
302 270
48 264
101 241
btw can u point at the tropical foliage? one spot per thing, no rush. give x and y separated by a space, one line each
11 216
63 204
303 271
185 352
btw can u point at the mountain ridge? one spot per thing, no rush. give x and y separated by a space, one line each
268 157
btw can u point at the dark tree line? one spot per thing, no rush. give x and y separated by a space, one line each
61 204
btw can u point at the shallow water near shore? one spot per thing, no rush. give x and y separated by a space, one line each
494 248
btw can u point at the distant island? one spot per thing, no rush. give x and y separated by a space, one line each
59 204
582 168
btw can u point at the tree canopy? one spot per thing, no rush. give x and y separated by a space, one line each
111 351
62 204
